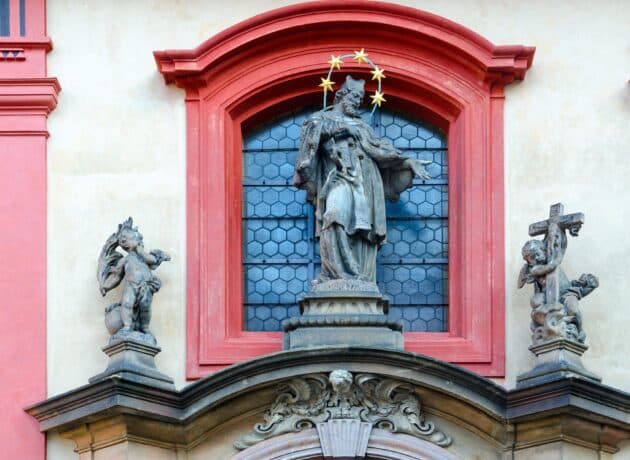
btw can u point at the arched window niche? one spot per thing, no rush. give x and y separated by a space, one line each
280 250
437 71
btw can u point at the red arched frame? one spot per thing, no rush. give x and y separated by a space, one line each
436 69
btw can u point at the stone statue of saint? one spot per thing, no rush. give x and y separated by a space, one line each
348 172
130 317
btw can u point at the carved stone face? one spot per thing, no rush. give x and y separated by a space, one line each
534 252
341 381
350 102
129 239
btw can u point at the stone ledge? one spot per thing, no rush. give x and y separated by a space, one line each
580 410
341 320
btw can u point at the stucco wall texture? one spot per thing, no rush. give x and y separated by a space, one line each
117 149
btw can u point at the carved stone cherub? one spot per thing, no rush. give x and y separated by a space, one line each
131 316
555 302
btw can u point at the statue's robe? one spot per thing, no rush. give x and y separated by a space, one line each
347 172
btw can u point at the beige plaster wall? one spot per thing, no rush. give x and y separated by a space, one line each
117 148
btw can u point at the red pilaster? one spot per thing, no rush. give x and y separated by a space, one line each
26 98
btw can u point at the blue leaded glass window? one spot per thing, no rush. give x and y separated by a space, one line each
4 18
279 249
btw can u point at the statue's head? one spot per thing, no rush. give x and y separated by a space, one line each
534 252
341 381
129 238
350 95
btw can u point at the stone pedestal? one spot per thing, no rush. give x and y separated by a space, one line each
343 314
134 360
556 359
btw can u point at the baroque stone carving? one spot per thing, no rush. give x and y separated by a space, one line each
305 402
555 302
129 318
348 172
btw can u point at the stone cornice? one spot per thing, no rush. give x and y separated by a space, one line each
32 94
569 394
446 390
44 43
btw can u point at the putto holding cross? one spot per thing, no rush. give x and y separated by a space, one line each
555 303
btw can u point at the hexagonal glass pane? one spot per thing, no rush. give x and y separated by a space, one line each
280 252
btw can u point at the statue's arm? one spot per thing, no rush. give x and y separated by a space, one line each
397 170
544 269
153 258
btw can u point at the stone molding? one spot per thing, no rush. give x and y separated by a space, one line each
570 409
133 360
308 444
341 320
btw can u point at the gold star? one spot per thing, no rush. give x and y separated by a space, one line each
378 98
326 84
360 56
377 73
335 62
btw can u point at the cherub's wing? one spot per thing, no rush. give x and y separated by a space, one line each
524 276
108 275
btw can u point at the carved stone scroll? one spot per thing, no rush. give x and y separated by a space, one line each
309 401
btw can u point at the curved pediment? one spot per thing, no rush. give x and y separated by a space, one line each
307 26
446 401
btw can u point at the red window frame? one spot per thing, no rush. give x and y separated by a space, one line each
437 70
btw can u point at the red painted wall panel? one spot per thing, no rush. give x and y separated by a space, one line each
23 292
26 98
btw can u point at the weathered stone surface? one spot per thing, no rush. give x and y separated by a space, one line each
346 285
130 317
133 360
344 438
343 318
348 172
314 399
556 359
571 409
555 303
557 333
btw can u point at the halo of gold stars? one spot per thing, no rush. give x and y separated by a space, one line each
377 73
377 98
335 62
326 83
360 57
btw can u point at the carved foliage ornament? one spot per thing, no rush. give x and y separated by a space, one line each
304 402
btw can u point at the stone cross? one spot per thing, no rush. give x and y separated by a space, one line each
553 228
